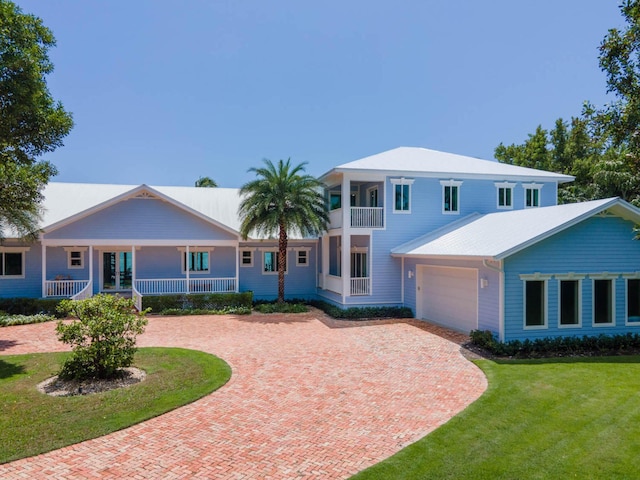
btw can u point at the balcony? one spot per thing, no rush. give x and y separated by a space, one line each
361 217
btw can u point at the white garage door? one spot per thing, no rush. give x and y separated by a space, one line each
448 296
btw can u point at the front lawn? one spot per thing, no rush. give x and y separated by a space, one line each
32 422
539 419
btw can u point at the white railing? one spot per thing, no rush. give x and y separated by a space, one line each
137 298
86 292
367 217
64 288
335 218
360 286
161 286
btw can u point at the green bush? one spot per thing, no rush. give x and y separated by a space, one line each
195 311
286 307
197 301
9 320
30 306
103 336
359 313
554 346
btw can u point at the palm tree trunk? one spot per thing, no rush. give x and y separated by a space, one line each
282 259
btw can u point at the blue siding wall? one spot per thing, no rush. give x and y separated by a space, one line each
597 245
142 219
31 285
300 282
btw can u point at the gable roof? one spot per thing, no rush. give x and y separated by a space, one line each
499 235
424 162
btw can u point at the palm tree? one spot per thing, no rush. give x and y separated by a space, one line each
206 182
281 199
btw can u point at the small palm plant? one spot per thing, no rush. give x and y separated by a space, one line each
285 201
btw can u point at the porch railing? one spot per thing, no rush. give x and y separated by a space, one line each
367 217
360 286
162 286
64 288
86 292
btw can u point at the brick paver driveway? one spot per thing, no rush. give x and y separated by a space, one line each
307 399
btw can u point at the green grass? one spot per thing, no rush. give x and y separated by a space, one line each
33 423
539 419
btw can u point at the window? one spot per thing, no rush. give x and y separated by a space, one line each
335 201
372 194
198 262
450 196
505 194
402 195
75 257
569 291
11 264
633 301
535 304
532 195
246 258
302 258
270 262
603 309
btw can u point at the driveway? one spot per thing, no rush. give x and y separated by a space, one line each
309 398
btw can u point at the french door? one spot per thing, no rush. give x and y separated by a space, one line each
116 271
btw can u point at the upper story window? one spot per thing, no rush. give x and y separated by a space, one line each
12 262
531 195
505 195
450 196
402 194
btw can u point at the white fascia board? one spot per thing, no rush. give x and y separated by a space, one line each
59 242
444 257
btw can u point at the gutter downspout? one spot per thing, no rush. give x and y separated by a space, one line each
500 271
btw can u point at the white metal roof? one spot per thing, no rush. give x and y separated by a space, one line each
499 235
425 162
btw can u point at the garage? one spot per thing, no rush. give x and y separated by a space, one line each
448 296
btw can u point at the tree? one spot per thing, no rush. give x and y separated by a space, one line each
31 122
206 182
281 199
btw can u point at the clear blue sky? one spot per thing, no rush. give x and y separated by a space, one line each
163 92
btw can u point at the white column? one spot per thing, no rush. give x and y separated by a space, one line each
186 267
91 268
345 269
325 259
237 250
133 267
44 270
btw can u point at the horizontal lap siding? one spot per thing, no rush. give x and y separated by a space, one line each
141 219
594 246
299 282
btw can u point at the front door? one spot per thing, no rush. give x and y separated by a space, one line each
116 271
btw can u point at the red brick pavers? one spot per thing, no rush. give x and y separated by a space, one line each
306 400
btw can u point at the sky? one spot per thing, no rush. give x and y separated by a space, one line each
164 92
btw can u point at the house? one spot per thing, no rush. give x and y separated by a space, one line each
464 242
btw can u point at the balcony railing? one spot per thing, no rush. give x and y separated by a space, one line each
367 217
360 286
161 286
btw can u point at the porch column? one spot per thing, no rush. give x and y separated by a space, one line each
186 267
237 250
91 268
133 267
325 259
44 270
345 270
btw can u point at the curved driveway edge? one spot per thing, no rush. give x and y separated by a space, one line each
305 401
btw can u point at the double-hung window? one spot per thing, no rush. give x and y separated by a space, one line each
12 262
505 195
246 258
401 195
532 195
450 196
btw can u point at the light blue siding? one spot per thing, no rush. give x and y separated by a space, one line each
595 246
141 219
31 285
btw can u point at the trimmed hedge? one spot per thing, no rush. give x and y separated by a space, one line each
197 301
361 313
30 306
195 311
557 346
286 307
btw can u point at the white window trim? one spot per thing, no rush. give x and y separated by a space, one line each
75 249
627 277
297 251
401 181
535 277
612 278
569 277
275 272
532 186
451 183
23 251
505 185
242 251
183 259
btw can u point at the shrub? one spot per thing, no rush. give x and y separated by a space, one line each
9 320
103 336
197 301
30 306
286 307
195 311
357 313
